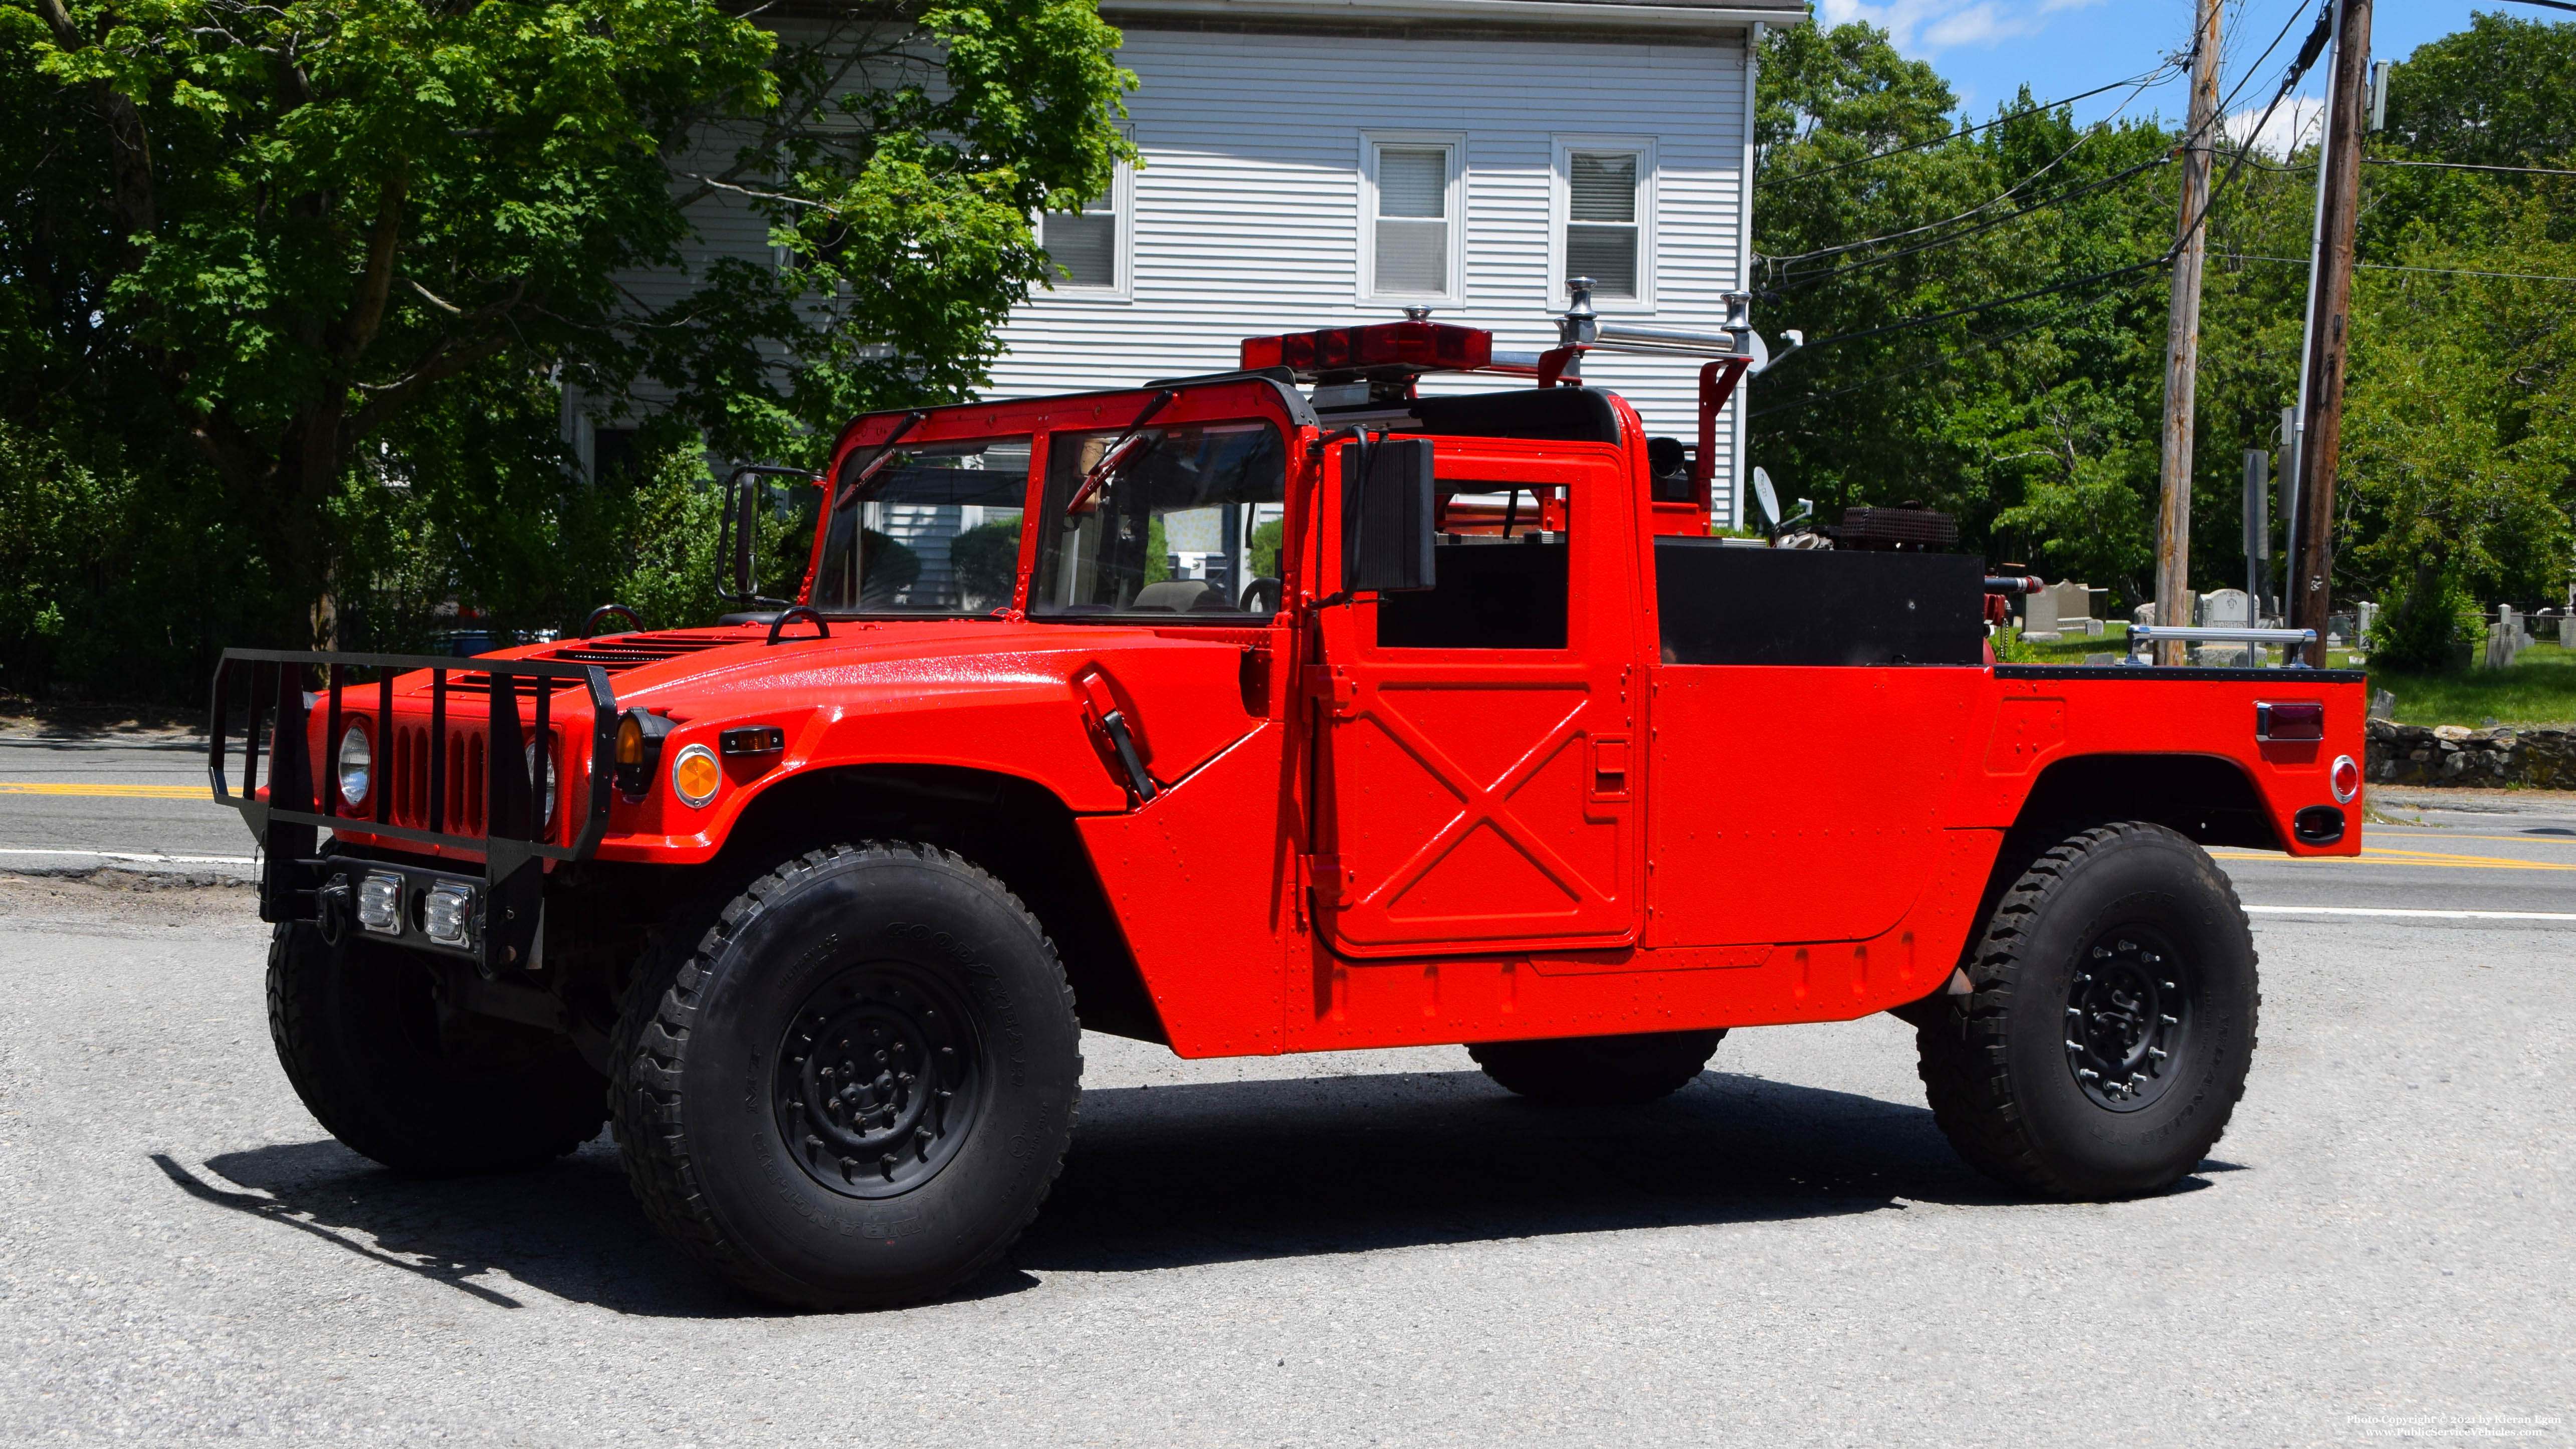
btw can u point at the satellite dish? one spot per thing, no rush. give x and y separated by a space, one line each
1769 500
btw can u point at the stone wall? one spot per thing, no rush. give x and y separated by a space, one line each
2452 755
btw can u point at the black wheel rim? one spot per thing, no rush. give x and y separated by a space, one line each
2128 1018
878 1080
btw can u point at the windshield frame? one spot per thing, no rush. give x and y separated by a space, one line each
1220 398
876 458
1141 440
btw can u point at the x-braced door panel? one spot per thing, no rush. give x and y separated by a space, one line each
1477 793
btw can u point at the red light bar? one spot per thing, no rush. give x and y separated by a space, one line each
1388 349
2305 720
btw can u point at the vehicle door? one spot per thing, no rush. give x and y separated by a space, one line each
1477 764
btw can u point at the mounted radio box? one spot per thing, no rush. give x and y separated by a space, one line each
1723 605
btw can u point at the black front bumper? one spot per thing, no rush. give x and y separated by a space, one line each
299 883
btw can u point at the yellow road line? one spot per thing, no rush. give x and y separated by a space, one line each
2380 857
147 792
2436 833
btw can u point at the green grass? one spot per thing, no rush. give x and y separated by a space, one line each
2540 689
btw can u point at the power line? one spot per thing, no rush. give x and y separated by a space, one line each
2394 267
2290 79
1944 360
2459 165
2090 132
2143 78
2311 165
2075 194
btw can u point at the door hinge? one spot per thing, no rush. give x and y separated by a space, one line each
1332 684
1320 876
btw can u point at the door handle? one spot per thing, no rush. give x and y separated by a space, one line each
1609 769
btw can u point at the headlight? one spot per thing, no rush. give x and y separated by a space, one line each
547 790
355 757
695 775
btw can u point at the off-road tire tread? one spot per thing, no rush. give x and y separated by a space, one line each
497 1142
1962 1058
652 1031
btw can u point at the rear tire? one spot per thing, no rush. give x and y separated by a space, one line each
855 1087
2110 1023
418 1086
1599 1071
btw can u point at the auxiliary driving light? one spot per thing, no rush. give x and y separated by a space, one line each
447 914
695 775
355 757
380 902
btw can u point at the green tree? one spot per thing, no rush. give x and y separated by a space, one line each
257 254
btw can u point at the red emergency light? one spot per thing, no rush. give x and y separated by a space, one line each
1387 349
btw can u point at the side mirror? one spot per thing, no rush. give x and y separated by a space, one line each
1386 517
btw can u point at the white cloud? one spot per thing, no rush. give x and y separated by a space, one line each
1923 28
2295 124
1981 24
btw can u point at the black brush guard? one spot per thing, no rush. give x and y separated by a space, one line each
298 884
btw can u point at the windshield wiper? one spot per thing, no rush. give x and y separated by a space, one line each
847 496
1116 456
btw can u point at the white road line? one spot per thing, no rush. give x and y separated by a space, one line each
140 856
2419 915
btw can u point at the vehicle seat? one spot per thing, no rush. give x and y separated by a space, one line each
1178 596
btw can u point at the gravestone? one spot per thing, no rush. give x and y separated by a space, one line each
2039 617
2226 609
2074 602
2364 616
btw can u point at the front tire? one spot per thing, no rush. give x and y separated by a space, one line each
855 1088
1599 1071
2110 1024
417 1085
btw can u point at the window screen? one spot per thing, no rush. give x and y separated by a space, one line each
1601 220
1413 219
1083 244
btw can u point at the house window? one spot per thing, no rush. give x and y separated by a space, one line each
1604 217
1410 217
1091 249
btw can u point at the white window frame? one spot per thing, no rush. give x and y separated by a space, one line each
1560 189
1454 199
1122 196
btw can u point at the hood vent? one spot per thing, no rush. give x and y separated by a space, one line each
615 653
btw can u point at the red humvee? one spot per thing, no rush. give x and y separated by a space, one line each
1247 719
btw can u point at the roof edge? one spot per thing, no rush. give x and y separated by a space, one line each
1625 15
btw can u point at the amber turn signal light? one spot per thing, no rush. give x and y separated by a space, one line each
695 776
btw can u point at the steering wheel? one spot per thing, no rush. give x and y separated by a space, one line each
1261 596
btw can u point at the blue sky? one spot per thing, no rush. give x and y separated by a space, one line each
1988 49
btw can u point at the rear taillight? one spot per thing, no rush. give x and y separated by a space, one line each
2302 720
2346 779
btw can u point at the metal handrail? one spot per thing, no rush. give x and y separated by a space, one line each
2286 638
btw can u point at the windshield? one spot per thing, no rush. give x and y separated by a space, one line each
934 531
1184 520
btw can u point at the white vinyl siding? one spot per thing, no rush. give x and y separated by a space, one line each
1251 219
1409 214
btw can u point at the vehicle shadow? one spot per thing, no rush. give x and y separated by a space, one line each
1186 1174
1165 1176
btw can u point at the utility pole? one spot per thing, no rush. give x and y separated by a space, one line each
2328 341
2174 596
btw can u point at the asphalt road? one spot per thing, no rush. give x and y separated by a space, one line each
1370 1249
